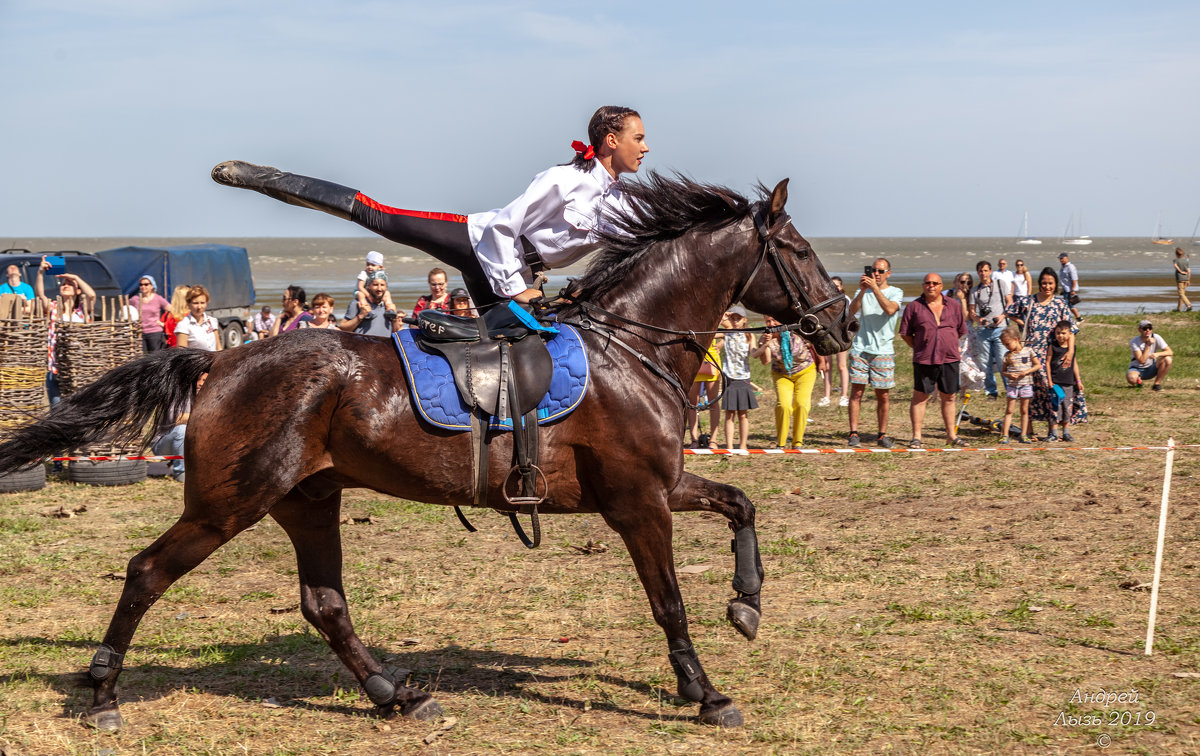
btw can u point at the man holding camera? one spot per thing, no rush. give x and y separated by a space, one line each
872 357
985 310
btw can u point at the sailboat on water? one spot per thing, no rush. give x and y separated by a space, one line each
1195 228
1158 234
1069 236
1024 237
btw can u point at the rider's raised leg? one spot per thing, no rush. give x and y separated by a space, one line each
646 531
442 235
312 526
696 494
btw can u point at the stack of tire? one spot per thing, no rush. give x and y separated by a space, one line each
84 353
23 340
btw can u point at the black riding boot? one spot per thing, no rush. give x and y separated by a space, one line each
291 188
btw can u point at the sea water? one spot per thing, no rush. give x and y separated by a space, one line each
1117 275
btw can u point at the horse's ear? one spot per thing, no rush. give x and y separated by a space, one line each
779 198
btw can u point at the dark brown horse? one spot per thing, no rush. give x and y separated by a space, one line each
337 414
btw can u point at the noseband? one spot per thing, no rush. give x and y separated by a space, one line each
809 326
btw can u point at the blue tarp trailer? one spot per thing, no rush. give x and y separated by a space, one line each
222 269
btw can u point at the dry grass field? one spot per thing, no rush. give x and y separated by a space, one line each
969 602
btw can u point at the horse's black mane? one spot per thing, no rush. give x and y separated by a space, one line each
663 208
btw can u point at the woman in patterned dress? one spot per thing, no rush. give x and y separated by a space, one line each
1037 314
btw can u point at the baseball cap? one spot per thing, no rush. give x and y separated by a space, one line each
1145 324
374 258
1063 256
460 293
737 310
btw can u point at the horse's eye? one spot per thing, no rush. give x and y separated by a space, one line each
804 253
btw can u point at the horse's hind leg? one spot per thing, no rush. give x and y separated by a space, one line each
646 529
312 525
185 545
696 494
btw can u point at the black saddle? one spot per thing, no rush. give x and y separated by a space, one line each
499 372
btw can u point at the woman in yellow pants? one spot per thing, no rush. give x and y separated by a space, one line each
794 374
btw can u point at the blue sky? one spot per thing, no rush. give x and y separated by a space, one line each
891 119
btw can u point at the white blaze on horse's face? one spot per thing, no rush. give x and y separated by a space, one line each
628 147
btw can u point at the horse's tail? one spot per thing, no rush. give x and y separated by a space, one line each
115 408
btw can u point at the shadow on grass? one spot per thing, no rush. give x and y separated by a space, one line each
290 668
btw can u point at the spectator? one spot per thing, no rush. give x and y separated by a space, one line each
986 311
1150 357
1064 375
198 330
793 373
293 313
1022 285
825 366
872 356
152 307
263 322
75 303
14 285
321 313
932 325
970 374
170 439
371 318
437 298
704 392
177 312
1002 273
374 265
1037 315
739 393
460 303
1020 365
1069 278
1183 277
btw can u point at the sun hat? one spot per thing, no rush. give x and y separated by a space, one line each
153 283
374 258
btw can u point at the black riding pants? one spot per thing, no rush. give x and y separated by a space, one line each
442 235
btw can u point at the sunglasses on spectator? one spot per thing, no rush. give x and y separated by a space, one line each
881 270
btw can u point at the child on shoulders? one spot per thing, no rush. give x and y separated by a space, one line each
373 269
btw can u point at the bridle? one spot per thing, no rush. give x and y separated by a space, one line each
808 325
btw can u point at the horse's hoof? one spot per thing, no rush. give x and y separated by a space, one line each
424 711
745 618
107 720
722 716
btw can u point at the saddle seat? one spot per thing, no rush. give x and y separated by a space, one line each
481 351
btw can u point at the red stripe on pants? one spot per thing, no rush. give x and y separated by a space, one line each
450 217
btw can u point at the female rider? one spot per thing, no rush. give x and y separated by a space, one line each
556 215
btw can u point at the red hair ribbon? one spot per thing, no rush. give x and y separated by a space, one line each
583 149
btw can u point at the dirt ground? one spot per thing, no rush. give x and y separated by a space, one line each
914 603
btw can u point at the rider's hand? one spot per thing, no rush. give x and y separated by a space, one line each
527 296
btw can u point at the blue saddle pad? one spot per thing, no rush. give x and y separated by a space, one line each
436 397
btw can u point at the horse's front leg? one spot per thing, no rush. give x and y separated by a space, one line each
645 527
696 494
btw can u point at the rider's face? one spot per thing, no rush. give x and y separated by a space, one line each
628 147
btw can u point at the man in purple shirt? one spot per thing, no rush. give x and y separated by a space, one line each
932 325
151 306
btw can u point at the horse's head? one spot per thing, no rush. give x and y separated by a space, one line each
790 284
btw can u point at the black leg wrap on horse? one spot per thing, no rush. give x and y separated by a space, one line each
380 690
687 669
105 662
747 565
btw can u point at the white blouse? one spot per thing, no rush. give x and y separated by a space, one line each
559 212
201 335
